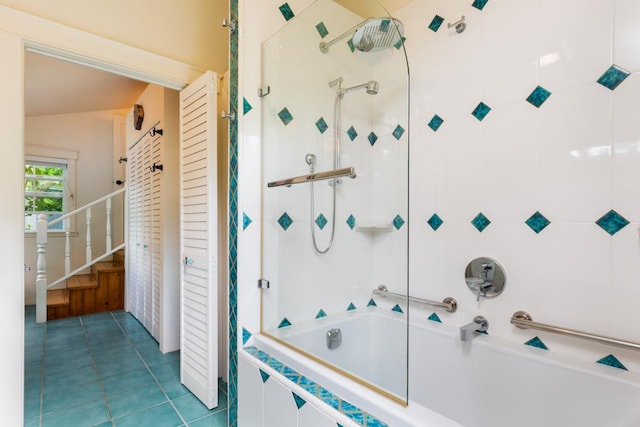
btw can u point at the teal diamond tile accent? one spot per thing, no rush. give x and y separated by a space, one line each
538 96
479 4
435 222
246 107
372 138
480 222
612 361
352 48
400 42
374 422
321 221
322 125
372 303
246 221
264 376
481 111
285 221
290 374
398 132
299 401
612 222
384 25
285 116
398 222
351 221
434 318
284 323
352 133
435 23
537 222
612 78
436 122
246 335
322 29
286 11
397 309
351 307
537 343
321 314
275 364
356 416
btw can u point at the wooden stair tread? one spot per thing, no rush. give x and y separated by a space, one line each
108 266
57 297
81 281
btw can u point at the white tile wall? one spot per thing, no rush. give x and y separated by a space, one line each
573 159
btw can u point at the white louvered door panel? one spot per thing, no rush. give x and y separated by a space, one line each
156 237
198 189
146 297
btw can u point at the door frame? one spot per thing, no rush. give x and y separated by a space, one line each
20 32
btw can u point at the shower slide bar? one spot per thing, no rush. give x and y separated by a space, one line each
449 304
320 176
523 320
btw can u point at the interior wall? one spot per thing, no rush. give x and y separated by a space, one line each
187 31
571 158
11 229
91 136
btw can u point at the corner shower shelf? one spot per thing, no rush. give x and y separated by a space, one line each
371 226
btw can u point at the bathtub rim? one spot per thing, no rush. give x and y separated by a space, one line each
382 407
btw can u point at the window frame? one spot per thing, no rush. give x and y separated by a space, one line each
53 156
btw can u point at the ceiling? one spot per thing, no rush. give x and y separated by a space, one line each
53 86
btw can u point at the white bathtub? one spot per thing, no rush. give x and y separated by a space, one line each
483 382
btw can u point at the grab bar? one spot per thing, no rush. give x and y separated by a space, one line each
523 320
449 303
336 173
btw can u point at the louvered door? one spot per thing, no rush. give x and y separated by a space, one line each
198 189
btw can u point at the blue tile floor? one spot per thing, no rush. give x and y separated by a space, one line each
105 369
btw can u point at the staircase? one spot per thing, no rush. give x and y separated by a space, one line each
101 290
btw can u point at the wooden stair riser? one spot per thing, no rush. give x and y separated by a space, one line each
103 290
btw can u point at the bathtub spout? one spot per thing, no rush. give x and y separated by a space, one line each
479 324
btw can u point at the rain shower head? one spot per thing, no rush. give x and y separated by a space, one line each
371 35
377 33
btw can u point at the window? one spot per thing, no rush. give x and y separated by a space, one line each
44 184
48 187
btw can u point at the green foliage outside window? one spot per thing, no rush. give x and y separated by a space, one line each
44 193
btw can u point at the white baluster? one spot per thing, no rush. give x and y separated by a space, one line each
109 225
88 250
41 269
67 247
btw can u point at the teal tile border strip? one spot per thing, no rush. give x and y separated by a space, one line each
232 391
336 402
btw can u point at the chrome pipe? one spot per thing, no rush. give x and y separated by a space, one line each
320 176
449 304
523 320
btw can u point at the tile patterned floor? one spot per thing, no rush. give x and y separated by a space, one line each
106 370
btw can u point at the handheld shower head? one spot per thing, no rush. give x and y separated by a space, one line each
371 87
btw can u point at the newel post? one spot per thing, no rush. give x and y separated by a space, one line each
41 269
88 248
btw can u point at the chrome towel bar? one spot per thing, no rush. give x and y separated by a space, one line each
523 320
336 173
449 304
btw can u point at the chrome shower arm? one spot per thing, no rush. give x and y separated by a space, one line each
324 46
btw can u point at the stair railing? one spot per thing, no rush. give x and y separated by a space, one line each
42 231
